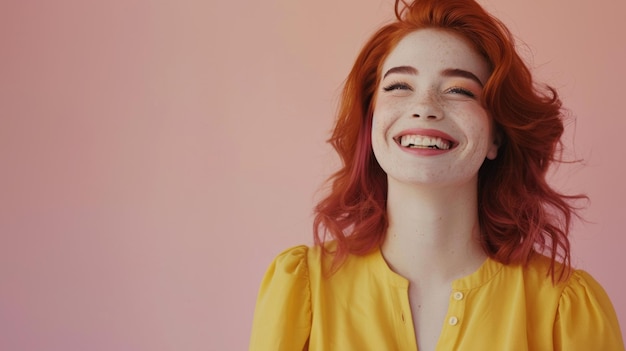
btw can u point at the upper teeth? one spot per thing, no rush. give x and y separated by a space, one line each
420 141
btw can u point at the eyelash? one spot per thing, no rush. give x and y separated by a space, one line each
397 86
404 86
459 90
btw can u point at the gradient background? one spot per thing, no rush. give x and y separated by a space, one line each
156 155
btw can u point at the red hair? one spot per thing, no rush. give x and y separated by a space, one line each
519 213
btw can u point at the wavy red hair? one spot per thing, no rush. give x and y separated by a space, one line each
519 212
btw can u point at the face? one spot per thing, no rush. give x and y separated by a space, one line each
429 126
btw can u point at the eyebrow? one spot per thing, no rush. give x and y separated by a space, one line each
456 72
449 72
401 69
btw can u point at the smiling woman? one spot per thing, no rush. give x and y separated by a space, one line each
431 92
440 231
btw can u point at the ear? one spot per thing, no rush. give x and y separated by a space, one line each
492 152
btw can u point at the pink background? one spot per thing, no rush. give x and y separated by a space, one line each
156 155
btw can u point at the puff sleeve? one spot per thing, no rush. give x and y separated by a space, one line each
282 317
586 319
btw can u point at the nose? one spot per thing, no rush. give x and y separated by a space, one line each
426 106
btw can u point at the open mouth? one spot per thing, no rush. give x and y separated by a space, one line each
424 142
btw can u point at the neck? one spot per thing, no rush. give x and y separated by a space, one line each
433 233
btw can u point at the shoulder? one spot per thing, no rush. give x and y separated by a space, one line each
583 295
586 318
578 291
291 261
584 315
576 311
285 301
289 268
579 282
300 260
282 316
577 285
314 267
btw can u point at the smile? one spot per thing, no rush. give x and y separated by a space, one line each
424 142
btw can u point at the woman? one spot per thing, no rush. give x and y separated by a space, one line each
440 231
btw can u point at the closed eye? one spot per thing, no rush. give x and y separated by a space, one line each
463 91
397 86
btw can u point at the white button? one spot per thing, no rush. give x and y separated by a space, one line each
453 320
458 296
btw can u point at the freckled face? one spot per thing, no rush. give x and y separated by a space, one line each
429 126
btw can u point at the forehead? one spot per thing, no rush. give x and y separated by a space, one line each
436 50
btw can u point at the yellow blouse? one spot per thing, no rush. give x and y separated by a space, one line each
365 306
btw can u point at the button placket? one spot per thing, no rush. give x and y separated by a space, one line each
454 319
457 306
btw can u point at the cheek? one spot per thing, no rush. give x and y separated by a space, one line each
483 143
380 136
477 124
379 120
385 112
378 132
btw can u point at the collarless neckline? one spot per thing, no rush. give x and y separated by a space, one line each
486 272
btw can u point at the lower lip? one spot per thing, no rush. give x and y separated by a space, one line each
423 151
